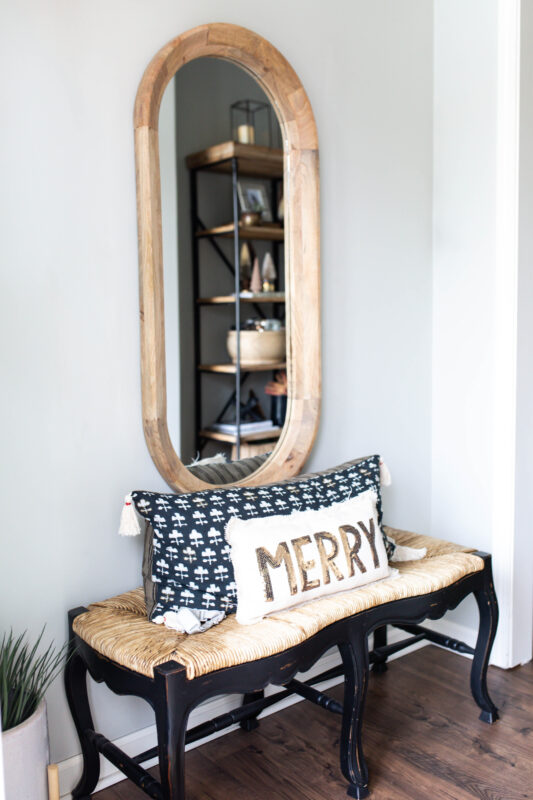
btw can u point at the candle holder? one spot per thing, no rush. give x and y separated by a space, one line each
251 122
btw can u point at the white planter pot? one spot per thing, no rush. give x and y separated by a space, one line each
26 758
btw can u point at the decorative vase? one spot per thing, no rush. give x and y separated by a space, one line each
26 758
278 410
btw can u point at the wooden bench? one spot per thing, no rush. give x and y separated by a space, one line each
116 644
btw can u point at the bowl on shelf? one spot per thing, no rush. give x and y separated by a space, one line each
257 347
250 218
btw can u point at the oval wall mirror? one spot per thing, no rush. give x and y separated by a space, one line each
228 215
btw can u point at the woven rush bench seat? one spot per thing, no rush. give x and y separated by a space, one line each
115 643
118 628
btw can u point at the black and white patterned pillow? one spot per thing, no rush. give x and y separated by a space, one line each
190 559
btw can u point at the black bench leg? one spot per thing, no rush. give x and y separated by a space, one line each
78 701
356 669
171 713
252 723
488 623
380 640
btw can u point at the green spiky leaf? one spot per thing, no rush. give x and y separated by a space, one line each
25 675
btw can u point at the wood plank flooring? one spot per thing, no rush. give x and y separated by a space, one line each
422 738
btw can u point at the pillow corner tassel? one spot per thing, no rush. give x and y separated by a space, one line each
384 474
129 521
404 553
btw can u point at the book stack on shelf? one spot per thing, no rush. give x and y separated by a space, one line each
265 426
249 431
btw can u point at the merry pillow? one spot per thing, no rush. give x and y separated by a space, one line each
187 561
281 561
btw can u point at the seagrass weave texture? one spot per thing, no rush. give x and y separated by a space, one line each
119 629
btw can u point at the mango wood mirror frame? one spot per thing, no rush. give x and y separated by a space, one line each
302 246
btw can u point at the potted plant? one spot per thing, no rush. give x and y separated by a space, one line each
25 675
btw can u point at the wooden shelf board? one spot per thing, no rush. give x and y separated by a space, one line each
269 233
255 161
231 369
263 297
247 437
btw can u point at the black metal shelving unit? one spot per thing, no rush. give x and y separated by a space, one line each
235 160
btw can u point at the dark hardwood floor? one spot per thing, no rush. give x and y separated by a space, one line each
422 737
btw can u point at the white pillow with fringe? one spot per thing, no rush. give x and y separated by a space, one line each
282 561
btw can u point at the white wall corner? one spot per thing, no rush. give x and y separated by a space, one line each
522 636
509 648
477 381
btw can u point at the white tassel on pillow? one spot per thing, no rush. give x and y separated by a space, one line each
384 474
403 553
188 620
129 521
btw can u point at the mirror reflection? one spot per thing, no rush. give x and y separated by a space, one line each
224 264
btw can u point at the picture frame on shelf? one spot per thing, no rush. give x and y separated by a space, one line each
254 197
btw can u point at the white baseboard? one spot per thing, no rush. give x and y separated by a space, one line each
139 741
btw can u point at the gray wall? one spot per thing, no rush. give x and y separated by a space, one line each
72 435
